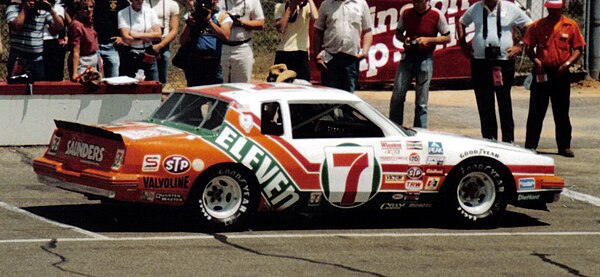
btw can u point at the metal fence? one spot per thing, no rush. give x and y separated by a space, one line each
265 42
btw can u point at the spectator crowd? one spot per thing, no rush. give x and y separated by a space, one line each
126 37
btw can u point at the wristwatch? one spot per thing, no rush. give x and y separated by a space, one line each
567 64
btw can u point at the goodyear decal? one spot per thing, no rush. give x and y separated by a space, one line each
278 188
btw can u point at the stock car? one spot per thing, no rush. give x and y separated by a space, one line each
225 152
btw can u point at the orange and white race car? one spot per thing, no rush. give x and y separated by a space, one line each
227 151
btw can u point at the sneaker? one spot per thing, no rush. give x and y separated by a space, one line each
566 152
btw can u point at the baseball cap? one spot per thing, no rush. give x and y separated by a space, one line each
554 4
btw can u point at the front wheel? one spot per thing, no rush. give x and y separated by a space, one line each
476 191
226 197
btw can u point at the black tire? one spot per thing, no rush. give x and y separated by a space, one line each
225 197
476 192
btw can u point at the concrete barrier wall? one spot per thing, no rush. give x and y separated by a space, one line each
28 119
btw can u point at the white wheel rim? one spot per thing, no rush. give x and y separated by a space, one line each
476 193
222 197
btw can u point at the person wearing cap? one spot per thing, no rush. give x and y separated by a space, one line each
418 29
553 43
492 53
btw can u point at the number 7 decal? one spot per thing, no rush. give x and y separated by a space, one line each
350 175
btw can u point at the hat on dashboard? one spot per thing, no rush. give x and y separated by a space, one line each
553 4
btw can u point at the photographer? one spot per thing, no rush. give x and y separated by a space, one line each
492 53
26 22
418 29
201 42
237 58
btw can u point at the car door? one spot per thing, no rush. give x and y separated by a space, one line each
345 155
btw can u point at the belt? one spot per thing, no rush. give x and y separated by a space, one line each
235 43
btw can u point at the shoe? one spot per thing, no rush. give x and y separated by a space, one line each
566 152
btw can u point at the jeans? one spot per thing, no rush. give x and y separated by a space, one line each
110 60
162 63
34 63
341 72
419 66
481 72
558 90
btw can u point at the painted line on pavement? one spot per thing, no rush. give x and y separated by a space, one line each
43 219
300 236
581 197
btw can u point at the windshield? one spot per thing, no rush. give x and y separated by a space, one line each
191 109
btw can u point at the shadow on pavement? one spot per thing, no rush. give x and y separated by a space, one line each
124 218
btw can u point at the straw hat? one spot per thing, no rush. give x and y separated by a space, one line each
280 73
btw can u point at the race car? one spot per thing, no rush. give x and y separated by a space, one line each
225 152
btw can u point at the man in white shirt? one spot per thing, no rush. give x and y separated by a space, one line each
237 57
139 26
344 33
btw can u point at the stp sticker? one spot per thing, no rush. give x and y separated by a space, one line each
414 173
151 163
176 164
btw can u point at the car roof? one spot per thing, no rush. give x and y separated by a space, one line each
260 92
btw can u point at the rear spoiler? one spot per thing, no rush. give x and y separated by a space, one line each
86 129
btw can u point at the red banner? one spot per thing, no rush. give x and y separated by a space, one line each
385 52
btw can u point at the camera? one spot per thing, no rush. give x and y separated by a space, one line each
201 8
492 52
40 5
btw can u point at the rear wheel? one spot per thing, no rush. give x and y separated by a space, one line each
225 197
476 191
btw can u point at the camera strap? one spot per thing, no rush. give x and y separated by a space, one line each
485 22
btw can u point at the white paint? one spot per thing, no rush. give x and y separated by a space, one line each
301 236
43 219
29 119
581 197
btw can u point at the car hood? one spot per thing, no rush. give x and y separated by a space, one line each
468 142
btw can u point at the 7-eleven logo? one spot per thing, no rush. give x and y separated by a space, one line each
350 175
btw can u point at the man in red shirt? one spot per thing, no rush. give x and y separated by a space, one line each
554 44
418 29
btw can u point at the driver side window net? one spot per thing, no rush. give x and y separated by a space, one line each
330 121
194 110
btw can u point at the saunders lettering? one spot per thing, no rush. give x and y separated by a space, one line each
85 151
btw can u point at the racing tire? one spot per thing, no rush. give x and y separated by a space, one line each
225 197
476 192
